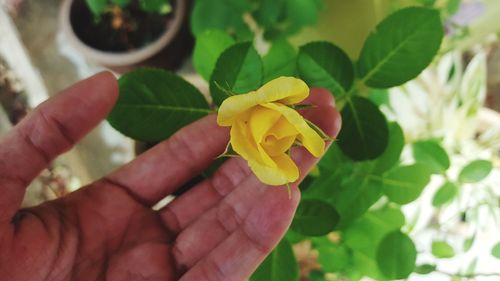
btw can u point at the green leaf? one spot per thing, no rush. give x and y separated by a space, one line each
356 194
208 47
308 180
471 268
392 153
237 71
269 12
396 255
495 251
475 171
345 186
300 13
469 242
97 6
442 250
352 188
427 3
404 184
355 273
379 96
294 237
432 154
453 6
322 64
279 265
224 15
283 18
425 268
280 60
332 159
332 257
323 186
364 235
314 217
316 275
154 104
445 194
402 46
364 133
121 3
155 6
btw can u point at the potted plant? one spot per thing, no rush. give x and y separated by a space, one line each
122 34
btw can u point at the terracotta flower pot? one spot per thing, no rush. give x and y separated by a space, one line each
167 51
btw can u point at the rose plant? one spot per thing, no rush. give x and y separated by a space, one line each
254 93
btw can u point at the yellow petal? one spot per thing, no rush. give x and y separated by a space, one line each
287 167
261 120
286 172
286 90
242 140
310 139
274 146
267 175
280 137
283 129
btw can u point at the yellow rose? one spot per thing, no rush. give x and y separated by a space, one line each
264 127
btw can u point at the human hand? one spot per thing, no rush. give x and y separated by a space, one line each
219 230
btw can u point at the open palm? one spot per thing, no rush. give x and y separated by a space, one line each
219 230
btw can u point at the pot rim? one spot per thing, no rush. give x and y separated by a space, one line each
125 58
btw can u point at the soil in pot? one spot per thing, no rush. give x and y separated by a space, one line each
120 29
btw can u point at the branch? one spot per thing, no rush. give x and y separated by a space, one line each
468 275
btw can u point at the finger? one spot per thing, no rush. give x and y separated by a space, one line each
49 130
324 99
179 213
183 210
245 248
218 222
215 225
162 169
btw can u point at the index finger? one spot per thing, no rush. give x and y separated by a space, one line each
161 170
